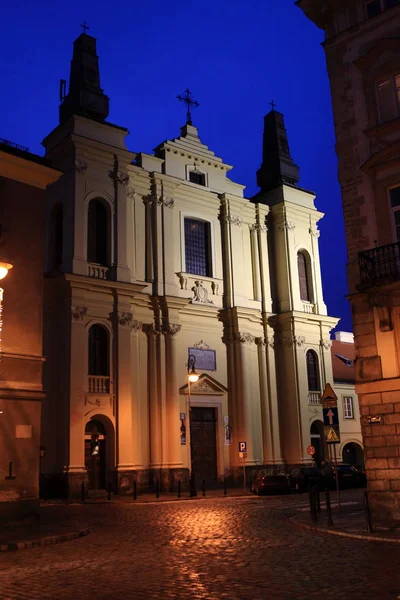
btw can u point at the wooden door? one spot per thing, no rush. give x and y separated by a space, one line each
203 427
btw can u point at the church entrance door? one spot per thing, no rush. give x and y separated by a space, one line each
203 430
95 455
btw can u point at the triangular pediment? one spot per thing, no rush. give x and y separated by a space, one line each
205 386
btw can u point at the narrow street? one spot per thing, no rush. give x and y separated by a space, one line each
236 548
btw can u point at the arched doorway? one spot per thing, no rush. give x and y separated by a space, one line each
97 453
353 454
317 440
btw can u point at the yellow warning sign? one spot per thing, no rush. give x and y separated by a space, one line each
332 434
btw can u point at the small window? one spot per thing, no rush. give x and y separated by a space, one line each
312 371
197 177
394 195
388 99
348 407
304 282
98 241
198 247
99 359
373 8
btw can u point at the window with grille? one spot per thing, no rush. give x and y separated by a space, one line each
197 177
394 196
198 247
388 98
312 371
348 407
304 282
99 359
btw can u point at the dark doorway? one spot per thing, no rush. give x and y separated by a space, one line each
203 429
353 455
317 440
95 455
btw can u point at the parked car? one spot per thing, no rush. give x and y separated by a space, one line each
302 477
265 482
349 476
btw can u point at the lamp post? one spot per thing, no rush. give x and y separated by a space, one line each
192 378
4 268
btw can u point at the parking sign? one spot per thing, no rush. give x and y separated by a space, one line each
242 446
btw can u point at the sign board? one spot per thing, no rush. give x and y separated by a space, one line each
205 359
311 450
329 398
331 416
242 446
332 434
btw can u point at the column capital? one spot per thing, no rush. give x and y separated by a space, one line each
78 312
244 338
171 329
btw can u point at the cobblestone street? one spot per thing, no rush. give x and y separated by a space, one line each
236 548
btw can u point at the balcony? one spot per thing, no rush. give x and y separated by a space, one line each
98 271
314 398
379 265
99 384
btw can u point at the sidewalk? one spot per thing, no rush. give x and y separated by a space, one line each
350 522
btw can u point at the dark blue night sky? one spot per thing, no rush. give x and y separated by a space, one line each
234 56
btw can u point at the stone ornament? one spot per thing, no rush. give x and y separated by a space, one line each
131 193
261 227
126 319
214 288
287 226
201 346
233 220
326 344
172 329
200 293
261 342
183 281
80 166
244 338
119 178
166 201
78 312
294 340
314 232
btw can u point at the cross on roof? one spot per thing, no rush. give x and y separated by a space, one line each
188 99
272 103
84 26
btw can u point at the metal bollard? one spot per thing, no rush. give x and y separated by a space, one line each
179 488
157 489
135 490
329 520
204 488
109 491
367 512
225 487
83 491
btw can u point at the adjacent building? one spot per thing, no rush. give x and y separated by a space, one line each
23 180
362 46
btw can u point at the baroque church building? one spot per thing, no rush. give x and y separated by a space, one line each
157 261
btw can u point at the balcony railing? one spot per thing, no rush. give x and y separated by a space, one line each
379 265
99 385
314 398
98 271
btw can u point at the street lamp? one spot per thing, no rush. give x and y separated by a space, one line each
4 268
192 378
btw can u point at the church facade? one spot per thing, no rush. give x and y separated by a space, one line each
157 261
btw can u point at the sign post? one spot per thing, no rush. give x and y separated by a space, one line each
331 427
243 454
311 452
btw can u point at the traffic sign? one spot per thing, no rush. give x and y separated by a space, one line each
331 416
311 450
332 434
329 398
242 446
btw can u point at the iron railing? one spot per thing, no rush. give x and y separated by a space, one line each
13 145
379 265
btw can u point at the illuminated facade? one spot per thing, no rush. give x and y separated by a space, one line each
155 257
363 58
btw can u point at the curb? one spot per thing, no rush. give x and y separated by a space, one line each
45 541
357 536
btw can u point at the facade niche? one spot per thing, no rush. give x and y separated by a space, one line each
99 233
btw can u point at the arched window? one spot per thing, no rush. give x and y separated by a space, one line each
198 247
98 248
56 237
99 357
312 371
304 279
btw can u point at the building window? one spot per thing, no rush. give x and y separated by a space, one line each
99 231
388 97
304 279
374 7
198 247
197 177
394 195
99 357
312 371
348 407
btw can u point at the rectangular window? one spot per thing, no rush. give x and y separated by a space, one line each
196 177
394 195
198 247
387 100
348 407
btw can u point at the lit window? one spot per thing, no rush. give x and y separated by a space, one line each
198 247
197 177
312 371
348 407
388 98
394 195
304 282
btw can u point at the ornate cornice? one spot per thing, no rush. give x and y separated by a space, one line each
78 312
80 166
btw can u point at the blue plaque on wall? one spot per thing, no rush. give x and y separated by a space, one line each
205 359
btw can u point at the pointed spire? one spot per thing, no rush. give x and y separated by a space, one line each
277 167
85 96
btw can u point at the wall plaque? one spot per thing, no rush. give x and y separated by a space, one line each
205 359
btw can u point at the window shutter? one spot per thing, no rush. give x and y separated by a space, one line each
303 277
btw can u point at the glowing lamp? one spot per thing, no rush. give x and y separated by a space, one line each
193 376
4 268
